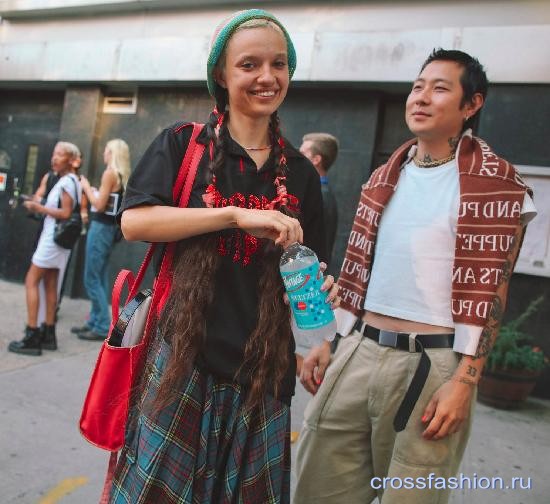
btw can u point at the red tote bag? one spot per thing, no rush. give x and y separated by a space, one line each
105 410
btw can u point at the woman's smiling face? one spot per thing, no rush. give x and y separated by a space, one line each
255 70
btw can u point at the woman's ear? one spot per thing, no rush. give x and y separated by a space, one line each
219 78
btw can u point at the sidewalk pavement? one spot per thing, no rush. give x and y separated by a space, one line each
44 460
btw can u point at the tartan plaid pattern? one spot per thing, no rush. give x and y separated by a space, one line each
204 449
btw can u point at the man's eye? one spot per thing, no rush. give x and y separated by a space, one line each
247 65
280 64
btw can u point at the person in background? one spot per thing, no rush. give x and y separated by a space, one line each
105 203
46 184
322 149
49 258
423 286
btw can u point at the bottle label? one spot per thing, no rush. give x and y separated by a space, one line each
306 299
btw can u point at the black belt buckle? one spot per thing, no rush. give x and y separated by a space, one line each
387 338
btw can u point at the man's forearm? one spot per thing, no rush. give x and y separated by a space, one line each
470 367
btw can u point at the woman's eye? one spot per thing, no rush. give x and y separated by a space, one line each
280 64
247 65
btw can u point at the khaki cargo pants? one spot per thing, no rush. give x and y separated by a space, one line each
348 439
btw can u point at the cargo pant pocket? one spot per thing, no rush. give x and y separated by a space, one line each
319 403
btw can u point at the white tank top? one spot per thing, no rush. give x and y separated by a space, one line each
414 253
413 259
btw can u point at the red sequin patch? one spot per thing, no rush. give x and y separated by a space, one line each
243 246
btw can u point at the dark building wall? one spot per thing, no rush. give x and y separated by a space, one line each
27 118
352 116
516 123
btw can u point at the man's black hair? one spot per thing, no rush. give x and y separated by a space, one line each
473 78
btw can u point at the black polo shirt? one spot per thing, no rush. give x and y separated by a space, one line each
233 313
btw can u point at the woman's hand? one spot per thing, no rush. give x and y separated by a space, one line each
271 224
33 206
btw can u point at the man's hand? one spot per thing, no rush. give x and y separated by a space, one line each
314 366
448 409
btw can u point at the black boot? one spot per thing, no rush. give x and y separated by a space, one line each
29 345
47 335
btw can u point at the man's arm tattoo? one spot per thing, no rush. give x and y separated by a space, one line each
467 381
472 371
490 331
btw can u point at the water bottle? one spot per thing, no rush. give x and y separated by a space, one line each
313 319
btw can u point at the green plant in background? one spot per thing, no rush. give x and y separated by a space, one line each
513 349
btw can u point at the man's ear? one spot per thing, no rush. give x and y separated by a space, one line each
317 160
219 78
474 105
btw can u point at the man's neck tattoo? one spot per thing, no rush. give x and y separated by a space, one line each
453 142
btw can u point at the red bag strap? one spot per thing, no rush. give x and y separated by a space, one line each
106 493
189 166
142 270
125 276
187 163
186 175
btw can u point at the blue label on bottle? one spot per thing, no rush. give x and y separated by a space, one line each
306 299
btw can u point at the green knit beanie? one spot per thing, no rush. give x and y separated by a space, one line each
223 33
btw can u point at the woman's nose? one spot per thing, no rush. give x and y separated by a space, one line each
266 74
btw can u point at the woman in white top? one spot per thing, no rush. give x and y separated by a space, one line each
49 257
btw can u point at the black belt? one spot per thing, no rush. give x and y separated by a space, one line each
410 342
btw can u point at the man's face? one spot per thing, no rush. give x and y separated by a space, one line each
305 149
433 109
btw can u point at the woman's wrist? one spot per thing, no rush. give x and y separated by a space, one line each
233 215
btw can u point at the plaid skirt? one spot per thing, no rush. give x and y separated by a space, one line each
204 448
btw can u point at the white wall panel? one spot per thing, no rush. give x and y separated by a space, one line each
170 58
357 42
375 56
511 53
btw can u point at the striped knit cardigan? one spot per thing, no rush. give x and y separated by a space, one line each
491 199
